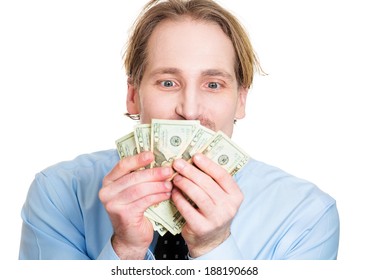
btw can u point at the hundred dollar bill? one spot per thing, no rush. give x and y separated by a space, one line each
169 137
226 153
126 145
199 140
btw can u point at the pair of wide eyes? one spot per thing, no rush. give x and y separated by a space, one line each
169 84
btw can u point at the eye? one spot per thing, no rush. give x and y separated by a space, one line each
167 83
213 85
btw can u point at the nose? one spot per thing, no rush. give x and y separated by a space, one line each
189 105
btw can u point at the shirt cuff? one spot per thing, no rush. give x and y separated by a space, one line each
108 253
227 250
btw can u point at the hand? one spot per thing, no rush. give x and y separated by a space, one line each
217 198
126 193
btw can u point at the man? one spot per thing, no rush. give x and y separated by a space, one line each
186 60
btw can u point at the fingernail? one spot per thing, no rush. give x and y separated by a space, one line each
177 178
146 156
168 185
179 164
166 171
198 157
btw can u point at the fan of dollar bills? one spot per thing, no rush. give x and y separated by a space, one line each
172 139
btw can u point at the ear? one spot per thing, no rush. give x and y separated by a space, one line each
132 100
242 98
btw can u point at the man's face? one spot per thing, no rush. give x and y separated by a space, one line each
189 75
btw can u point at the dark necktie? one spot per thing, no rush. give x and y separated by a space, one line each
171 247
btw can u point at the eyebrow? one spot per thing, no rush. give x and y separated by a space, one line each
217 72
208 72
166 70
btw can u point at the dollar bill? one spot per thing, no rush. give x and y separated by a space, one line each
167 215
226 153
142 136
169 137
221 150
199 140
126 146
156 225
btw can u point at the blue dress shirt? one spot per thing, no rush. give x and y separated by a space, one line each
281 217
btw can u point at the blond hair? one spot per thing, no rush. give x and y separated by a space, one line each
135 57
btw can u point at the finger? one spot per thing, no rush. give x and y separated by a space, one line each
139 206
217 172
159 174
201 199
137 192
234 196
198 177
127 165
192 216
146 175
208 217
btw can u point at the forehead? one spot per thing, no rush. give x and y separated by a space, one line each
188 44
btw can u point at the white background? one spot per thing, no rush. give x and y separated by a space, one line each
62 93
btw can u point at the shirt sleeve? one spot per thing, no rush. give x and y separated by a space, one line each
108 253
47 231
227 250
318 240
53 225
314 237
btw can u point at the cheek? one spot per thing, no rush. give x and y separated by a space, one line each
154 107
222 113
222 108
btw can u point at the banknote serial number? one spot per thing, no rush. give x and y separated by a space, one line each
231 270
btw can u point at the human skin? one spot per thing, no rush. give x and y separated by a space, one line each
190 75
